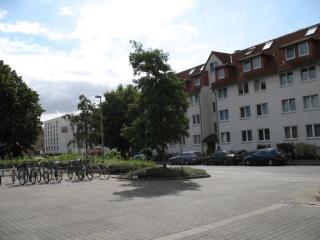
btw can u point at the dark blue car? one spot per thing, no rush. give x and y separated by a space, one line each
269 156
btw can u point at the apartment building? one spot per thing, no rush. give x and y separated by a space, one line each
200 113
268 93
57 135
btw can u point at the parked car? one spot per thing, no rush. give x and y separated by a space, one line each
268 156
186 158
223 157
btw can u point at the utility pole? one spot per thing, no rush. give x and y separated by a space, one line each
101 124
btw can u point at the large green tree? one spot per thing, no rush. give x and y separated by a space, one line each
84 125
20 113
117 114
162 103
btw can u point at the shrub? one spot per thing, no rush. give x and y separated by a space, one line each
287 148
160 172
147 152
305 150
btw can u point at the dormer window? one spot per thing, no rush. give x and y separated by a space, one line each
303 49
256 62
197 82
246 66
267 45
311 30
221 73
290 53
191 71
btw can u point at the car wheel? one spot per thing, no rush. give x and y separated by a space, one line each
248 163
186 162
225 162
270 162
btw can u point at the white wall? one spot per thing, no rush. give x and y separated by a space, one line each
276 120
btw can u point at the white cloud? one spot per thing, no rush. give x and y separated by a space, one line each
3 13
66 11
33 28
103 31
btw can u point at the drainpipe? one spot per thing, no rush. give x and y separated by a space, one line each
217 118
201 124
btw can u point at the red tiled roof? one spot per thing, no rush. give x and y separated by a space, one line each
274 56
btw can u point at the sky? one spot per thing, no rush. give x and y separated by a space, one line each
64 48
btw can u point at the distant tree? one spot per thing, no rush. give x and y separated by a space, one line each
20 113
84 125
162 103
117 114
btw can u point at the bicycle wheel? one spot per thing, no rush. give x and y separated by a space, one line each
80 174
33 176
97 171
21 176
39 176
13 176
106 172
58 175
89 172
46 176
70 173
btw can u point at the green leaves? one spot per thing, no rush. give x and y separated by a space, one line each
20 113
163 101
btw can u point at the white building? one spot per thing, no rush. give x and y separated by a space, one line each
269 93
202 124
57 136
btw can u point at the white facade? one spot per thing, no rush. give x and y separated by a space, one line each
57 135
279 114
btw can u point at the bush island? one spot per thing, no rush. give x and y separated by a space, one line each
160 172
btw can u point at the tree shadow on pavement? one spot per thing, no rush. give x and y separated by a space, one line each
150 189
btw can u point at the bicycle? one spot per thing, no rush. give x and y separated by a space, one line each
80 169
55 172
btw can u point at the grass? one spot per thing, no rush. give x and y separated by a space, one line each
160 172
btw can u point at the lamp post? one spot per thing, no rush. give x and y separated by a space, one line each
101 124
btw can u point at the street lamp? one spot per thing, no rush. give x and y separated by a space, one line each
101 124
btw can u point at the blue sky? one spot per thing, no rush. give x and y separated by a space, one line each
66 48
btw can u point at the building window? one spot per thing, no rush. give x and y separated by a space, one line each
222 93
214 107
289 105
286 79
308 73
246 66
311 102
313 130
246 135
303 49
215 127
291 132
221 73
196 119
224 115
197 82
243 88
197 139
264 134
260 85
290 54
245 112
262 109
225 137
195 99
64 129
256 62
213 67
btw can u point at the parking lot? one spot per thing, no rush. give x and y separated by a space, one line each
236 202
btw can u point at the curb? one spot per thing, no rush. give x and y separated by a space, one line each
162 179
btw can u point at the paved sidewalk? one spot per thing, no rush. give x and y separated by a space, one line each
235 203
